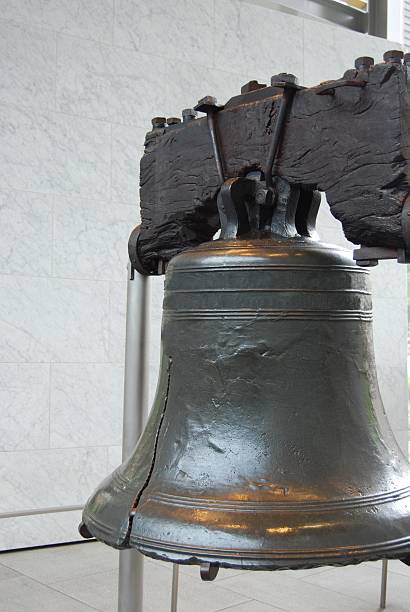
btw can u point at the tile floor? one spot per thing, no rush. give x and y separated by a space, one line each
83 577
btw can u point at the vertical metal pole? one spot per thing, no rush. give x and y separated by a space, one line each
174 594
377 18
383 589
130 582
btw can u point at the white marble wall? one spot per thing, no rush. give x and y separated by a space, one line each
80 80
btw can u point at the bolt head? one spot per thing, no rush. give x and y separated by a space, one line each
284 77
158 122
173 120
208 101
207 104
188 114
251 86
393 56
364 63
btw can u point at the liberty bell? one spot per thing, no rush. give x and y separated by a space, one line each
267 446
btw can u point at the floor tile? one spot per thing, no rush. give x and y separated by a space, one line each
395 566
47 565
100 591
251 606
25 595
295 595
6 573
363 583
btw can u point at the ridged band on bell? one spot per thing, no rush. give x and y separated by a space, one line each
267 445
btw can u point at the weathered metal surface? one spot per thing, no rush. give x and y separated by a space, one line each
267 446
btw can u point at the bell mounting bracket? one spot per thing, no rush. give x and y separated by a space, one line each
369 256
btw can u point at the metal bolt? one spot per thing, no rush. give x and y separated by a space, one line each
393 57
251 86
173 120
158 122
188 114
284 77
207 100
364 63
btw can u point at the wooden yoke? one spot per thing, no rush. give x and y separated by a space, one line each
348 138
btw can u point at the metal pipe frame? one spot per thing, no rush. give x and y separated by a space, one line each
131 565
36 511
383 588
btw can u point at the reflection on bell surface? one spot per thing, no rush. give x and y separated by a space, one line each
267 446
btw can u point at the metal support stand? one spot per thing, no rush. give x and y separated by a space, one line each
131 568
174 594
383 589
130 582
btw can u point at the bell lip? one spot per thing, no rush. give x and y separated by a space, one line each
303 559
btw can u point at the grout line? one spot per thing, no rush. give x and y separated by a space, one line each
69 196
49 404
246 601
65 278
62 448
51 588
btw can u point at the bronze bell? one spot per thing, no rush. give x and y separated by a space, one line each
267 446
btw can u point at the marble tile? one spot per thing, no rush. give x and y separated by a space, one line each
100 591
23 594
38 530
94 394
333 234
365 586
63 562
191 82
293 595
91 19
55 477
394 566
91 239
6 573
26 246
27 66
114 457
54 153
251 606
245 36
127 150
157 294
117 317
181 30
24 406
342 48
55 320
389 280
390 332
116 84
325 218
394 392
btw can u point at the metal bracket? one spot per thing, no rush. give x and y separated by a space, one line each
209 106
208 571
290 86
137 263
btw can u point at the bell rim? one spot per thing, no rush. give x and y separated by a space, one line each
275 559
